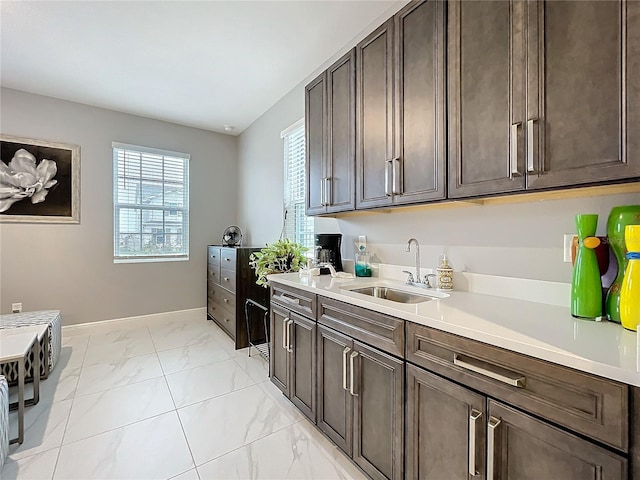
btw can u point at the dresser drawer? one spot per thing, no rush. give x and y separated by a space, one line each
593 406
299 301
376 329
213 255
213 274
228 279
228 258
225 298
223 317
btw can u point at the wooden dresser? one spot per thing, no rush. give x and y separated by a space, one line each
230 282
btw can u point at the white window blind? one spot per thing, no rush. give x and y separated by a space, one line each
150 204
297 226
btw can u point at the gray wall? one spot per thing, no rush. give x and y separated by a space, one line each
70 267
522 240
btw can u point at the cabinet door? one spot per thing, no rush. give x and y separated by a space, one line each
419 163
303 365
374 146
341 126
315 145
521 447
435 406
279 355
582 123
335 404
486 97
378 426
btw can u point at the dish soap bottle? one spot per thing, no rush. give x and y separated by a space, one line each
630 290
363 262
445 274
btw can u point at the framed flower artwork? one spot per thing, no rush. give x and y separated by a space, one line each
39 181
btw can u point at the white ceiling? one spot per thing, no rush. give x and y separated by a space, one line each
204 64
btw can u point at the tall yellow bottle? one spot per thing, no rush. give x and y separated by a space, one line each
630 289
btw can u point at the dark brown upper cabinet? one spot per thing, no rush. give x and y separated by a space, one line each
401 109
486 63
542 94
330 138
583 92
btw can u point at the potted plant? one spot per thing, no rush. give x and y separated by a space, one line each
278 257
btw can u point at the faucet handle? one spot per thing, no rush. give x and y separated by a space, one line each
427 279
409 277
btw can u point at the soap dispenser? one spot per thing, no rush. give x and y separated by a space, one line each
445 274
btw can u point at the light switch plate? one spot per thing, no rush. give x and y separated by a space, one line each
569 239
16 307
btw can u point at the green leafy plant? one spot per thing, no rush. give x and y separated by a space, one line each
278 257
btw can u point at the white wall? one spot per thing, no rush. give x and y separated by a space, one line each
70 267
519 240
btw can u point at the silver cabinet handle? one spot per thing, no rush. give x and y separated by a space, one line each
294 301
491 447
353 373
285 329
395 189
513 160
473 421
387 188
322 202
228 259
225 300
226 279
289 323
327 191
531 168
514 381
344 368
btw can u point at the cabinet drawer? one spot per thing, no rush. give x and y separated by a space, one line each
299 301
213 255
593 406
228 279
226 299
213 274
223 317
228 258
376 329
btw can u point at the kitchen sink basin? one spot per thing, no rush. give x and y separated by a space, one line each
393 294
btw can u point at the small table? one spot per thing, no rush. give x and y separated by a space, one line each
15 346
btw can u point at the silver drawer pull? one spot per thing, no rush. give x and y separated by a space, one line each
344 368
294 301
516 381
473 421
491 447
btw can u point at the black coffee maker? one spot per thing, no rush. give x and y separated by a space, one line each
328 250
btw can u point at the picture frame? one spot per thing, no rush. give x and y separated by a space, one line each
39 181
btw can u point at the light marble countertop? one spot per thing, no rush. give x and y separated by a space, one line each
547 332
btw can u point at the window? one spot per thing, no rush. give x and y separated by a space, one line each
150 204
297 226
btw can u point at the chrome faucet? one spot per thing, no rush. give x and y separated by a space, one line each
418 278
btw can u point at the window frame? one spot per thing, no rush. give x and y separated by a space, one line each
294 209
166 208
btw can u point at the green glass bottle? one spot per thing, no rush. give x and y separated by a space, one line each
619 218
586 287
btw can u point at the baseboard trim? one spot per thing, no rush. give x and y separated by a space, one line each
150 316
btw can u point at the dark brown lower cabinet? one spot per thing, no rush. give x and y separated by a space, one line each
445 428
361 403
524 448
454 433
293 359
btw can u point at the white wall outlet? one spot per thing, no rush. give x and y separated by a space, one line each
568 246
16 307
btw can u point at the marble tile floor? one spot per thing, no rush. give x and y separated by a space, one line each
166 397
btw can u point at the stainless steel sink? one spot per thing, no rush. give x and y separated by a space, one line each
393 294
